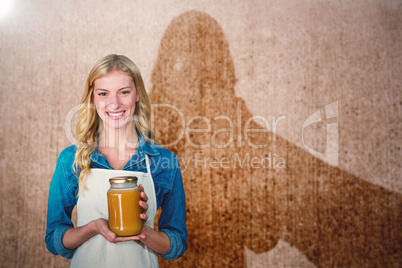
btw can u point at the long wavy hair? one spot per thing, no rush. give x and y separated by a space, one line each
90 125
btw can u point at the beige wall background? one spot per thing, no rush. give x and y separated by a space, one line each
290 59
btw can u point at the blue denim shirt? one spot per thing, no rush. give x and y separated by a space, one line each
169 192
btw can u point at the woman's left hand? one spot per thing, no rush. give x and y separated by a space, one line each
143 204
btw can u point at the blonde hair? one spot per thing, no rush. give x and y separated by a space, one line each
89 124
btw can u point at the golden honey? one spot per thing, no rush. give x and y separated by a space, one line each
123 206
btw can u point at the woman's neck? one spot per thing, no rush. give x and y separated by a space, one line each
119 139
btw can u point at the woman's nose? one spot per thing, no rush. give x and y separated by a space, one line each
114 102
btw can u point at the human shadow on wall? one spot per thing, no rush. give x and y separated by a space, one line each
331 216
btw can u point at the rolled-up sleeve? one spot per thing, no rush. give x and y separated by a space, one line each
61 202
173 219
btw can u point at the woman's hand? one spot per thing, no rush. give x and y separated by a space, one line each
102 227
143 204
157 241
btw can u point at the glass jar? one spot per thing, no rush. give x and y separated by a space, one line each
123 206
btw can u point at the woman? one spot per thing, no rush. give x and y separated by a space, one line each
115 139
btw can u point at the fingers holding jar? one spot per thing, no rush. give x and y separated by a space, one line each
144 196
143 203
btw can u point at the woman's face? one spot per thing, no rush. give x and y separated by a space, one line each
115 97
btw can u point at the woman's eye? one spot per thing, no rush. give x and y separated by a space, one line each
102 94
125 92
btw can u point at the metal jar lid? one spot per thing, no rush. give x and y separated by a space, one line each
123 179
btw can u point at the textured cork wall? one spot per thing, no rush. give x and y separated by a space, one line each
286 117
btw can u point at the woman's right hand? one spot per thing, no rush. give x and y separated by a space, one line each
74 237
102 226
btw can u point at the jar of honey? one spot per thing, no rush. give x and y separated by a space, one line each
123 206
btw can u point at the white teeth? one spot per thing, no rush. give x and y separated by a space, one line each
115 114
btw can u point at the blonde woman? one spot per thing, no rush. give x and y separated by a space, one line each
115 139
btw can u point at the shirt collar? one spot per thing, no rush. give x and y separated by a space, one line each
145 147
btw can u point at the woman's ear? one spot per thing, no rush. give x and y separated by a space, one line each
138 96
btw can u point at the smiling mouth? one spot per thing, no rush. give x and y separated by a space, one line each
115 115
